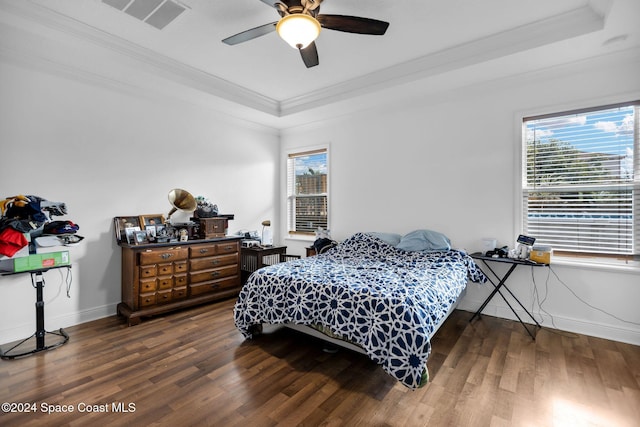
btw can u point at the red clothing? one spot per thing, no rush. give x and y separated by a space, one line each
11 241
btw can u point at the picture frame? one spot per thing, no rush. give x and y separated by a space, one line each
151 220
124 226
139 237
151 231
130 234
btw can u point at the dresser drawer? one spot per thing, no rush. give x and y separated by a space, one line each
165 282
227 248
180 280
213 262
210 249
163 297
148 285
147 300
213 274
165 269
180 267
214 286
155 256
202 250
179 293
148 271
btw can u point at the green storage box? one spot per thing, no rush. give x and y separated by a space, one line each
36 262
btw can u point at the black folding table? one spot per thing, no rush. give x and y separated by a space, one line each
513 263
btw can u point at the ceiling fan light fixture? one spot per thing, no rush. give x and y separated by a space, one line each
298 30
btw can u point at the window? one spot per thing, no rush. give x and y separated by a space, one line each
307 190
581 181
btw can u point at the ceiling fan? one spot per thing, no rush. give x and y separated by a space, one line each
300 25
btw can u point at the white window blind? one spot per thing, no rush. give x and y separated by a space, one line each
581 189
307 191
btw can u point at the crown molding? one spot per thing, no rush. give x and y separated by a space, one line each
577 22
244 116
573 23
158 64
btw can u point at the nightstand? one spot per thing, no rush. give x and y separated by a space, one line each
257 257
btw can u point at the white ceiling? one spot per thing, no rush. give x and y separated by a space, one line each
426 39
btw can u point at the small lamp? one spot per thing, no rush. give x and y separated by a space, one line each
267 239
298 29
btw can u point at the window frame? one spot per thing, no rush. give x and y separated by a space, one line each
598 260
296 152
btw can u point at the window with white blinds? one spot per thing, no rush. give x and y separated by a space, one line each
581 180
307 191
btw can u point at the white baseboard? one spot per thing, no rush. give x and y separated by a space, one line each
19 332
599 330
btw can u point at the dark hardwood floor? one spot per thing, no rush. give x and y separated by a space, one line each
194 368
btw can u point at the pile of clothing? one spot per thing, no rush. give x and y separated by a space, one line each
20 215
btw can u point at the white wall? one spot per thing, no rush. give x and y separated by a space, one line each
107 153
449 161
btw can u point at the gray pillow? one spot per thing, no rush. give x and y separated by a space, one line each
424 240
391 238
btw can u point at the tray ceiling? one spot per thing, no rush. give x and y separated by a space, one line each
425 40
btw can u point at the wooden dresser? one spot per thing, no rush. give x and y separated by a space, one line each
160 277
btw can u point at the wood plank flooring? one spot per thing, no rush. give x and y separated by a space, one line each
194 368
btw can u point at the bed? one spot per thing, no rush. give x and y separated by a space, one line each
384 299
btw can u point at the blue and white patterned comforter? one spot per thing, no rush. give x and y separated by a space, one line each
386 300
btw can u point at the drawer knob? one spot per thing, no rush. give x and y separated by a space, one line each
215 273
166 256
204 251
215 261
216 286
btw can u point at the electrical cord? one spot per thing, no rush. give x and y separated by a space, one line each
536 296
540 303
590 305
67 280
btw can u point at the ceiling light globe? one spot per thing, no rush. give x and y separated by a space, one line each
298 30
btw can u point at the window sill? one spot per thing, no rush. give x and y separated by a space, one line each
597 264
300 238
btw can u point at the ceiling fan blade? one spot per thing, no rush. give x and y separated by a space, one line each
310 55
251 34
280 5
353 24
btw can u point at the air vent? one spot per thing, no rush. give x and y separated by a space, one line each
157 13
